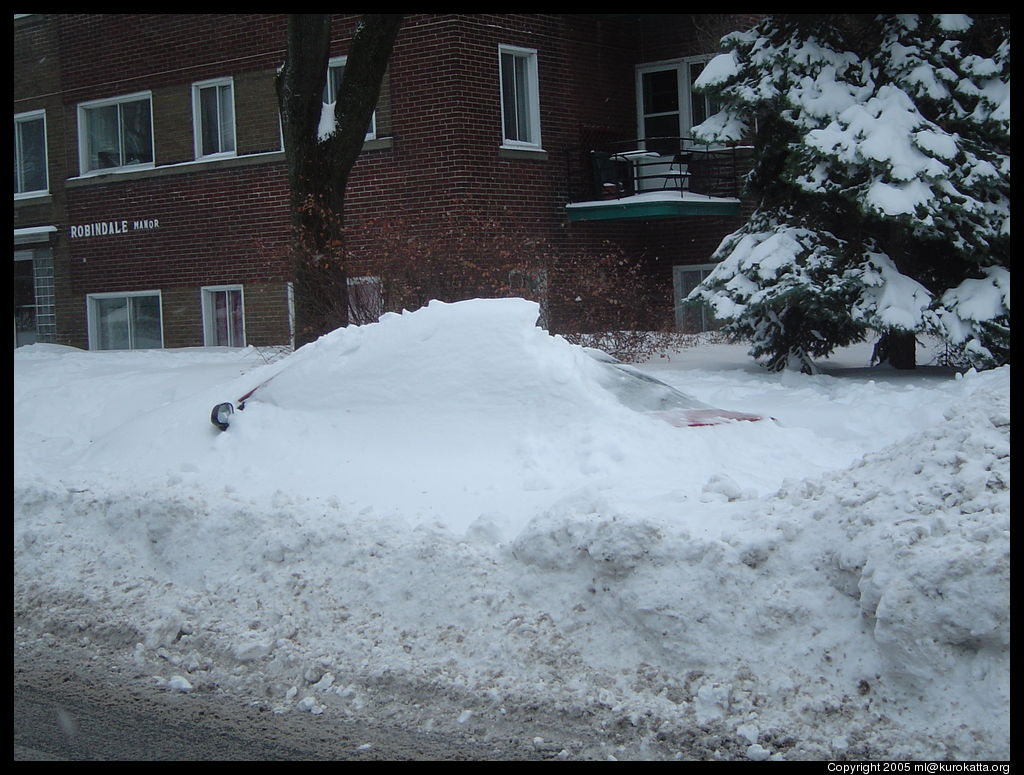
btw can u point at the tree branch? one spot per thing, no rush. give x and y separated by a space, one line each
367 62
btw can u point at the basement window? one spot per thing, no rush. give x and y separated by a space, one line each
223 316
125 321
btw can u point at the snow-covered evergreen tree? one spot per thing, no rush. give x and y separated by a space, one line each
882 176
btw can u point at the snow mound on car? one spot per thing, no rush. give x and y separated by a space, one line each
449 414
487 355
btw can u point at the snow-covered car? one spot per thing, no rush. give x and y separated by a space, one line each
634 388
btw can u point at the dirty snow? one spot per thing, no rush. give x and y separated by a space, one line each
444 520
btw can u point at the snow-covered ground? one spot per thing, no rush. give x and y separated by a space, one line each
444 520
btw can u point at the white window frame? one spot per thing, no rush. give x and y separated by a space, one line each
25 118
93 322
197 119
330 97
209 318
685 95
526 96
83 134
707 318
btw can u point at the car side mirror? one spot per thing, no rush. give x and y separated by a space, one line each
221 415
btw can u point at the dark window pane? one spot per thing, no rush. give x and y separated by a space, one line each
509 96
209 121
24 303
700 105
137 132
112 323
522 100
337 74
145 317
661 92
30 156
103 138
662 126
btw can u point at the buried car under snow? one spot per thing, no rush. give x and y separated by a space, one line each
632 387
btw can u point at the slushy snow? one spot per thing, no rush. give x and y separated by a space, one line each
444 520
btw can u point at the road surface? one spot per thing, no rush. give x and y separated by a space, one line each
66 708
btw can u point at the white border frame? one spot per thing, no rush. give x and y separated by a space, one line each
208 321
532 97
197 119
82 134
30 115
92 322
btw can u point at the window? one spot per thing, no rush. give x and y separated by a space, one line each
223 316
335 73
667 105
25 328
30 175
520 98
365 300
116 133
125 321
213 111
692 317
701 105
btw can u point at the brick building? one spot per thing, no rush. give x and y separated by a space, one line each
150 205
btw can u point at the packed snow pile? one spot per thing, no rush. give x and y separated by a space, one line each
445 520
447 413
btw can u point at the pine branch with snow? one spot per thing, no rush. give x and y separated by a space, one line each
883 167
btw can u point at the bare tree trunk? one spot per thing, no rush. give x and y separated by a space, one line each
319 169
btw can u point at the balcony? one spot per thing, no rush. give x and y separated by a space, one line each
654 177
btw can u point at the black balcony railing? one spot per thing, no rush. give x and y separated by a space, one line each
671 164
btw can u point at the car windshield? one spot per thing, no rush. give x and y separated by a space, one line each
640 392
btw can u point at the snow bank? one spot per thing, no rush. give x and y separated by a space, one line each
444 521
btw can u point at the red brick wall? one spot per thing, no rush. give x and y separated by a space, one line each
446 115
214 228
109 55
440 163
446 119
105 54
217 226
446 165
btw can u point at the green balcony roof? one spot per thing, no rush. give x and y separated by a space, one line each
660 204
